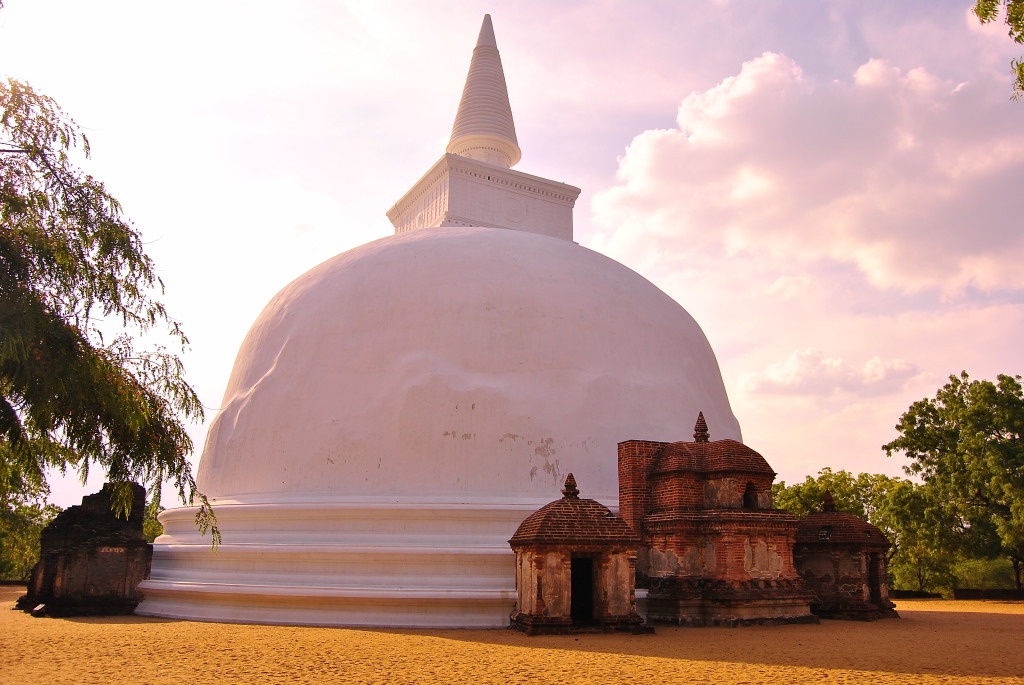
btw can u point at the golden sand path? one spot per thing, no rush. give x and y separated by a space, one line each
936 641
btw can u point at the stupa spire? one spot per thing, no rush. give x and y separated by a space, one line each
486 36
483 128
473 184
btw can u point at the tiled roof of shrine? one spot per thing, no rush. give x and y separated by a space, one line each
572 520
838 527
705 455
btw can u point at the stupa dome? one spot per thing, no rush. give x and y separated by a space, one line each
395 413
457 363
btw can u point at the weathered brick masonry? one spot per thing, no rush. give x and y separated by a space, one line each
575 568
91 561
842 560
713 549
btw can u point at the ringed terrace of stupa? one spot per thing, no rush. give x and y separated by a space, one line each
395 413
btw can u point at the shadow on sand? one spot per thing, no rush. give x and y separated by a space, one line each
975 639
934 642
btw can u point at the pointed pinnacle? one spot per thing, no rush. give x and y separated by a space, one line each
700 429
483 128
486 33
570 491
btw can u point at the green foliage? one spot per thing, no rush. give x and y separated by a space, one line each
22 519
859 495
151 527
966 444
900 508
920 558
988 10
987 574
70 266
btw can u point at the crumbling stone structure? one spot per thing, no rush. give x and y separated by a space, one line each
91 561
713 550
575 568
842 560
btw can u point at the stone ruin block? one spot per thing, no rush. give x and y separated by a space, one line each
91 561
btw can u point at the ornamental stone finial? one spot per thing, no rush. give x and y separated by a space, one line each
700 429
570 491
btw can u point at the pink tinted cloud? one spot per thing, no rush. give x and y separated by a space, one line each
845 244
912 179
810 372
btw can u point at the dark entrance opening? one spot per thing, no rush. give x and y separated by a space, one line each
750 497
582 589
875 578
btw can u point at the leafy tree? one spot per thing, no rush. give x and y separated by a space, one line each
859 495
22 518
920 558
151 526
966 444
995 574
988 10
900 508
71 268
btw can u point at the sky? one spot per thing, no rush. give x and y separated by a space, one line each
833 190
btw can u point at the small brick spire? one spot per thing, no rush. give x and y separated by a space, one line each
700 430
570 491
826 502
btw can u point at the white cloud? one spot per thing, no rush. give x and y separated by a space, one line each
845 244
810 372
912 179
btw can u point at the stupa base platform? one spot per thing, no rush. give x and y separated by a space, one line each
423 564
328 606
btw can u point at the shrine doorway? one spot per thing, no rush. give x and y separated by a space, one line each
582 591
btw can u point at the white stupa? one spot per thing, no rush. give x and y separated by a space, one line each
396 412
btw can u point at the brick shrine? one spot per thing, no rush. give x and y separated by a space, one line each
575 568
713 550
842 560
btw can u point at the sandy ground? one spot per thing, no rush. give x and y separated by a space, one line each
936 641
